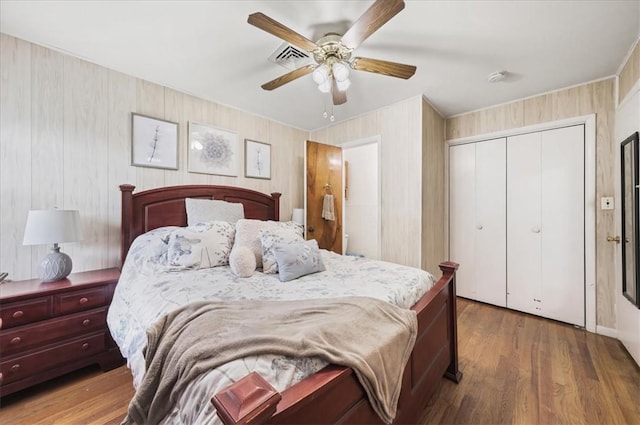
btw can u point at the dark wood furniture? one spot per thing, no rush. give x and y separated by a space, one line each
48 329
333 395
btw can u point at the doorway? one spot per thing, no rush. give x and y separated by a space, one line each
362 197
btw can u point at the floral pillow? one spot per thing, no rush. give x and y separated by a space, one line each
298 259
248 234
148 251
268 238
202 246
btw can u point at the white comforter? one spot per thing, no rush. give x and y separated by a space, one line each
148 289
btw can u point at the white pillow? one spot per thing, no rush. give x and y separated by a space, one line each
204 210
268 238
248 234
201 246
242 262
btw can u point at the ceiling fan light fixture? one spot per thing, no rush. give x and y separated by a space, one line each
321 74
325 86
343 85
340 71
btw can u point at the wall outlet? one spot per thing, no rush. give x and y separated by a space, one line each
606 203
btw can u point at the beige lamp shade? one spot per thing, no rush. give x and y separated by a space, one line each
52 226
298 216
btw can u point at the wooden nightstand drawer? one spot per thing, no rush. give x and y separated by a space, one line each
72 302
25 366
28 337
20 313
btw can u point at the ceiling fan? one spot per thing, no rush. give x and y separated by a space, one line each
332 52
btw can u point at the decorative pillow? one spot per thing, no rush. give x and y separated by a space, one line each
298 259
248 234
201 246
242 261
149 250
268 238
205 210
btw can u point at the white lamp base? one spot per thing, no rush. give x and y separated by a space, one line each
55 266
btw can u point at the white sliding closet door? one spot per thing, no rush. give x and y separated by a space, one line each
545 224
477 219
524 271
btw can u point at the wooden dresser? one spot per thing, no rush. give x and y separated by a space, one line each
51 328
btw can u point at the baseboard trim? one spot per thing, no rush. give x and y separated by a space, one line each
610 332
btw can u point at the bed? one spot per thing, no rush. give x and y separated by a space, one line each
332 394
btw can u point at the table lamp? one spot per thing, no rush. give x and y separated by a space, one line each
53 227
298 216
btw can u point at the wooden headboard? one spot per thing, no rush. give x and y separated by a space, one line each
164 206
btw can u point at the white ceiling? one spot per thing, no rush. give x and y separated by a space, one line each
208 49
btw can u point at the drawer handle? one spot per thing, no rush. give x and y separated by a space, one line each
86 322
16 340
15 368
85 345
1 376
17 314
84 300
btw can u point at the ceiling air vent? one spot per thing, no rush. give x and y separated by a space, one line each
290 57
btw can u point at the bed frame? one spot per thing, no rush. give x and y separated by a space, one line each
333 395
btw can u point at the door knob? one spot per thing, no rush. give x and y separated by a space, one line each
535 229
479 227
310 229
615 239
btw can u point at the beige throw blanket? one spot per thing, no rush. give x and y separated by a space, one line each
373 337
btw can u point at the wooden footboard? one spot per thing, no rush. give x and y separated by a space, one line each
334 395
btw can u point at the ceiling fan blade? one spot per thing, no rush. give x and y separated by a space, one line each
392 69
273 27
376 16
288 77
339 97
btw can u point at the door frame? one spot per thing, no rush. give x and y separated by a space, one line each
352 144
624 308
589 122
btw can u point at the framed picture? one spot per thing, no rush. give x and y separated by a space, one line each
212 151
257 159
154 142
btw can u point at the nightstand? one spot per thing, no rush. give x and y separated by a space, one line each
48 329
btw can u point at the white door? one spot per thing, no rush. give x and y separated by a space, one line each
524 270
462 170
545 224
477 219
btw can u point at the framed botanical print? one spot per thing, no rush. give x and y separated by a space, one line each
257 159
154 142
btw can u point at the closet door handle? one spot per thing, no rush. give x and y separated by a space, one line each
479 227
535 229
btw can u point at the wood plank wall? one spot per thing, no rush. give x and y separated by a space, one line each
403 141
433 219
65 141
598 98
630 73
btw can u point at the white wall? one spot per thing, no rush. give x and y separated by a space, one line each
628 315
362 204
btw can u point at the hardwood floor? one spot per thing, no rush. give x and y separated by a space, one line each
521 369
518 369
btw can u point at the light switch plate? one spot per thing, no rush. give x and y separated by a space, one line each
606 203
